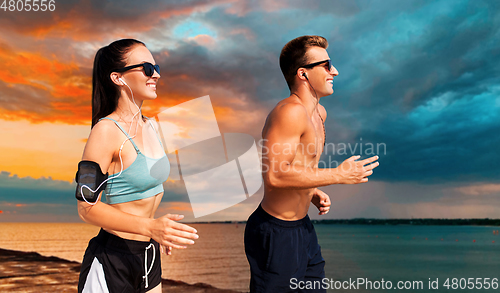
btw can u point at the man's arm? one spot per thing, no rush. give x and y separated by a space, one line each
286 125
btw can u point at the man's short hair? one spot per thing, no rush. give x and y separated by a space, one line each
293 55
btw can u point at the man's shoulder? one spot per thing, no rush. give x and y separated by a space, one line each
286 115
289 109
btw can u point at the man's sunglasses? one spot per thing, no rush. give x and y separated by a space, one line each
149 69
319 63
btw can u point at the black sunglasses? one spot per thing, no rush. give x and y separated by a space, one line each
319 63
149 69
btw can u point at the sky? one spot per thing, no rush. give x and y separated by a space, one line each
420 79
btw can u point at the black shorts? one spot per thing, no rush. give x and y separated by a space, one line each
116 265
279 250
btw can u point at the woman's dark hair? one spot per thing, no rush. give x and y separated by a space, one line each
105 93
293 55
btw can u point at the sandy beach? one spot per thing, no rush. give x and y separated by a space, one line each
31 272
217 258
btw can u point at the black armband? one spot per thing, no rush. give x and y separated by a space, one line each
89 174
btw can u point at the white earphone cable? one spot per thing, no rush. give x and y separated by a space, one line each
119 153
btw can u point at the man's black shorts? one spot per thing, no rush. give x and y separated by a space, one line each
279 250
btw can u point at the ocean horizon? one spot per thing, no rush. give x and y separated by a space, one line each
376 254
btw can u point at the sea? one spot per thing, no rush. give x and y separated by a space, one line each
359 258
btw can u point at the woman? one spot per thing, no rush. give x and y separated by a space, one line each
125 255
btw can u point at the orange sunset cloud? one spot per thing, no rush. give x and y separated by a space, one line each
46 82
43 88
85 21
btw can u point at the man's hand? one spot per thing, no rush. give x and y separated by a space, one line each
322 201
354 172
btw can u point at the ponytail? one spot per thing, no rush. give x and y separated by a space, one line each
105 93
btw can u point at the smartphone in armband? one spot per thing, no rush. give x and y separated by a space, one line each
90 177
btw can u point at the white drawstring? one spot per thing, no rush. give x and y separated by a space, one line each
146 263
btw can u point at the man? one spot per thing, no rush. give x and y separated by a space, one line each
280 240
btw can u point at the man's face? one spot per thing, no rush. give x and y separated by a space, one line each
320 76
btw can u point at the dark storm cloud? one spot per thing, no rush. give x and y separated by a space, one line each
418 76
26 190
398 62
94 19
433 100
21 191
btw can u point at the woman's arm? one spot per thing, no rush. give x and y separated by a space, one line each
102 145
164 230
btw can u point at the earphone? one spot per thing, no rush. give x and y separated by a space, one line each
305 75
317 102
119 152
121 79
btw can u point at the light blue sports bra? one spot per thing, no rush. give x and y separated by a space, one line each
142 179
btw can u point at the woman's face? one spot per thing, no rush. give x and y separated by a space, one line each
142 86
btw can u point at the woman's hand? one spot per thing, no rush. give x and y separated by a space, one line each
166 250
167 232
